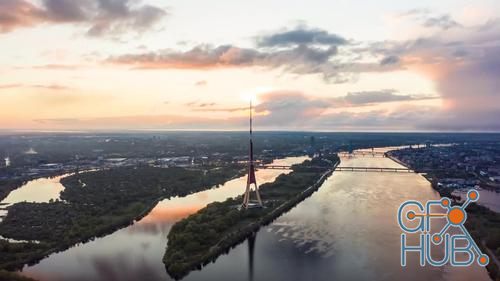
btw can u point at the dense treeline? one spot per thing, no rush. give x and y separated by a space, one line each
97 203
6 186
204 235
14 253
484 226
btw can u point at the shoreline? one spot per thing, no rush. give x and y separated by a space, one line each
236 235
474 214
46 249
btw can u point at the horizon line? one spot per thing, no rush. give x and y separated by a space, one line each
124 131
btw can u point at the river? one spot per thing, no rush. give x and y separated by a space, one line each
136 252
38 190
347 230
487 198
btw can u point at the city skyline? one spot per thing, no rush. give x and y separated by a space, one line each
117 65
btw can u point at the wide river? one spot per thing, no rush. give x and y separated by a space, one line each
347 230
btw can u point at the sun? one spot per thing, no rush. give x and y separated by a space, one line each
252 94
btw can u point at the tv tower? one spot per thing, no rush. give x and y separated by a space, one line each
251 174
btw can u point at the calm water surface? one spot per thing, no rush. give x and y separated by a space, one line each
487 198
347 230
136 252
39 190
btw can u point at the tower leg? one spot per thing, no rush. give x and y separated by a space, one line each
258 194
246 197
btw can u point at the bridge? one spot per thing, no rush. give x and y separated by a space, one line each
343 168
373 169
362 154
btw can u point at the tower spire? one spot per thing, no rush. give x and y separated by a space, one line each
251 171
250 119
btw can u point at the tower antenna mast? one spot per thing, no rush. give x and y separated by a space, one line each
251 172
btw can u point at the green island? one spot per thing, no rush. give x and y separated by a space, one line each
94 204
204 236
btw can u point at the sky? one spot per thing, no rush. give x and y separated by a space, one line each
384 65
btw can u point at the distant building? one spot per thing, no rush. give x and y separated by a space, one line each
30 151
495 179
312 147
118 161
181 161
52 166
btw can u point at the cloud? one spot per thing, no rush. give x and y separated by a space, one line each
301 35
207 104
406 118
283 110
427 18
389 60
143 122
462 62
57 67
443 22
299 60
54 87
293 109
285 107
381 96
219 109
211 107
18 13
62 121
196 104
277 110
464 66
100 17
471 92
297 51
201 56
10 86
295 105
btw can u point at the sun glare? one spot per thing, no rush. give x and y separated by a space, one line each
254 93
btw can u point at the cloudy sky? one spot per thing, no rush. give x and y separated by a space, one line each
384 65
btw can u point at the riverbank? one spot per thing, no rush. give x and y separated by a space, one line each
11 276
7 186
212 231
482 223
393 158
96 204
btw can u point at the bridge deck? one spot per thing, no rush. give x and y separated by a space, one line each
363 152
343 168
373 169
